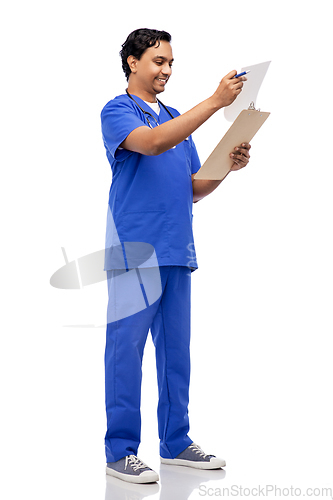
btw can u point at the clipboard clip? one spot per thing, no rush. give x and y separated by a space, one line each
252 106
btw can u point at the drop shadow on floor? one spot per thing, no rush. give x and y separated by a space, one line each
176 483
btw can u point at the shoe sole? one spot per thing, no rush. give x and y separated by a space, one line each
145 477
217 464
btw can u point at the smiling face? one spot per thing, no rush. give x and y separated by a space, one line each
150 73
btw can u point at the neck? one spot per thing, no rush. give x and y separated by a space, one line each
143 94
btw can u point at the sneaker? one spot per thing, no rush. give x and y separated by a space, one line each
193 456
131 469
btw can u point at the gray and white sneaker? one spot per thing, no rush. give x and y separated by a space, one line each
131 469
193 456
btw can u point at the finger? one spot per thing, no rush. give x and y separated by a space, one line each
242 151
231 74
245 145
237 165
240 163
240 79
237 90
237 84
241 160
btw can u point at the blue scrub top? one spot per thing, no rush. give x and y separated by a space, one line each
151 197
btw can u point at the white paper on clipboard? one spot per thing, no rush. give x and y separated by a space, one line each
250 90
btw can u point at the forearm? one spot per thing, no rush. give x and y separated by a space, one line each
173 132
202 188
155 141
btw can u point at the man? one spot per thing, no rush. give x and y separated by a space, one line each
153 160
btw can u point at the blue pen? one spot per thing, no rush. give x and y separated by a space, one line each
242 74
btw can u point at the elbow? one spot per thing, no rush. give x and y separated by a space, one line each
151 148
145 141
152 144
155 148
157 144
197 195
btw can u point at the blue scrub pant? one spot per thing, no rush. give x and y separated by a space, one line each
169 321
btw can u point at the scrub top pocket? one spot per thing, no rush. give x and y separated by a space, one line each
146 226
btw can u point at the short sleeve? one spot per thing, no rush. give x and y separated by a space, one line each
195 161
119 119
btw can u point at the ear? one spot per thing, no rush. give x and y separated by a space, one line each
132 62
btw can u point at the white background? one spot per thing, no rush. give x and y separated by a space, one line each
261 390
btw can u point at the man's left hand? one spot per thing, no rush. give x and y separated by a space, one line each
240 156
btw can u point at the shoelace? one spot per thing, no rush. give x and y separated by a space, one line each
198 450
135 463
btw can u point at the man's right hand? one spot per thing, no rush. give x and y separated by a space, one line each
228 89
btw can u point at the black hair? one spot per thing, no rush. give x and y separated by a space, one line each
137 42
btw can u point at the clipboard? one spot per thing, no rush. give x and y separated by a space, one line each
244 128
